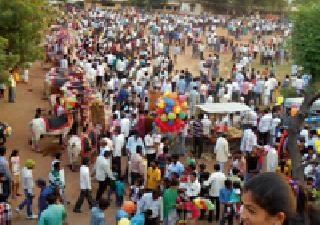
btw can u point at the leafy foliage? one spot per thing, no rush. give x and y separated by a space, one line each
289 92
248 6
306 39
147 3
22 23
7 61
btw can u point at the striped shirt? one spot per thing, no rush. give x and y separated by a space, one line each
5 213
197 128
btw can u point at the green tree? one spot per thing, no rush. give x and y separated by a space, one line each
306 52
7 60
147 3
306 39
22 23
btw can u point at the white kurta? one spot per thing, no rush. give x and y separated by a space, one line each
222 150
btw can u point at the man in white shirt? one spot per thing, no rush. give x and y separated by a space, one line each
193 186
150 204
299 84
103 173
100 75
206 124
137 165
264 127
222 151
216 182
125 125
118 143
28 187
85 186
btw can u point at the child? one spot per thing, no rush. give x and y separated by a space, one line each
136 190
190 159
27 181
119 191
162 160
44 191
225 200
4 188
97 213
14 164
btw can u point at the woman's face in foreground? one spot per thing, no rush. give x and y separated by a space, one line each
253 214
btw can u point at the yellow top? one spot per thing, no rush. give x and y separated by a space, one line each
153 178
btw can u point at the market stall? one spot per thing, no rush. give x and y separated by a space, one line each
229 110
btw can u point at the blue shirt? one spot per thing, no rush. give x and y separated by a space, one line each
97 217
182 86
123 95
4 167
54 215
225 195
42 203
119 188
176 168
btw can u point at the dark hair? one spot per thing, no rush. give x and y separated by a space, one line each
14 153
51 198
202 166
235 171
58 155
56 165
273 193
103 203
106 153
216 167
228 183
174 182
85 161
139 149
41 182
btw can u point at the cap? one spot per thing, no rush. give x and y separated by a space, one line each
29 163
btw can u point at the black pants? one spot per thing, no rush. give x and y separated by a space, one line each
134 177
216 201
263 138
116 165
85 193
198 146
227 215
151 221
99 81
101 189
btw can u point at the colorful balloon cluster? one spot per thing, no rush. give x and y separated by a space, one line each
171 111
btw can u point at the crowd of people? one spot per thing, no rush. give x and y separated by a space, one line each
125 57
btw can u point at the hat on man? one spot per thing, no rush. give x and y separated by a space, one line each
29 163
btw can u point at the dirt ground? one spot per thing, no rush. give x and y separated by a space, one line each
19 114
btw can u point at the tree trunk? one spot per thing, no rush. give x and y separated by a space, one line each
294 126
293 131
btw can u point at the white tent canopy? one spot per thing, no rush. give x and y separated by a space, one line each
230 107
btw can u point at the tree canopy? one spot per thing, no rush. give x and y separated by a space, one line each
22 24
7 61
247 6
306 38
